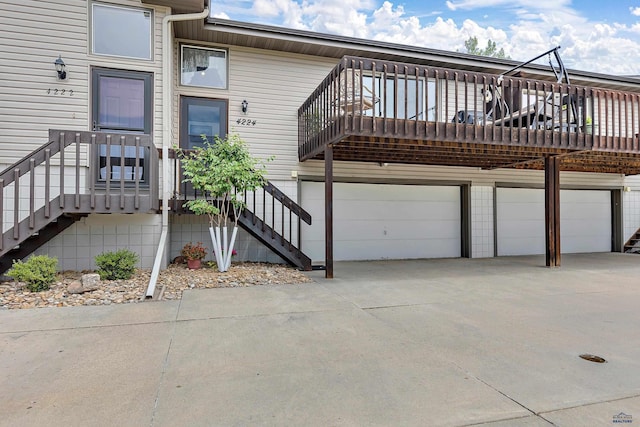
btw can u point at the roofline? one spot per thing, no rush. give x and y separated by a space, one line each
377 46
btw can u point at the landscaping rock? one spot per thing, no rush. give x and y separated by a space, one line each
90 281
69 291
75 287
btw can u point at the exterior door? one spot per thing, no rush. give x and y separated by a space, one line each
201 118
121 103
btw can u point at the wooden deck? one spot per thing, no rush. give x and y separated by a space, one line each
374 111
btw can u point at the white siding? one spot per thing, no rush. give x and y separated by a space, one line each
32 35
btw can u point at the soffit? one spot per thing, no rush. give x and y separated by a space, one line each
180 6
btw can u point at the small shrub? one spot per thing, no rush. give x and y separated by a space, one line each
38 272
118 265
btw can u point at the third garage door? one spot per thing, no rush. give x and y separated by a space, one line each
585 221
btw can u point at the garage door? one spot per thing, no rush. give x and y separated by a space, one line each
379 221
585 221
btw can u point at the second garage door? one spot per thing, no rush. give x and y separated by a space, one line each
383 221
585 221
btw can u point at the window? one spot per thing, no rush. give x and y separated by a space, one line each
121 31
121 103
419 105
203 67
201 116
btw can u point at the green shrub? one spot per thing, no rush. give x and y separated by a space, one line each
118 265
38 272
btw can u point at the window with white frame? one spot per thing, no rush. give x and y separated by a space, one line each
203 67
121 31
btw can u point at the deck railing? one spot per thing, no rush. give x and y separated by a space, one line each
72 173
387 99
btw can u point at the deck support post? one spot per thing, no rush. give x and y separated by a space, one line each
552 210
328 210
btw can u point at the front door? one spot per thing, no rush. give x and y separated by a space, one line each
200 119
122 103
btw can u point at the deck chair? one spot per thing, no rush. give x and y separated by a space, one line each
354 98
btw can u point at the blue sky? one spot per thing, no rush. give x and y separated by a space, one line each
600 36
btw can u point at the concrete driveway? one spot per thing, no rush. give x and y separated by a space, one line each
459 342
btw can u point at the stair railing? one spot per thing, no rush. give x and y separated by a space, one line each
268 207
63 176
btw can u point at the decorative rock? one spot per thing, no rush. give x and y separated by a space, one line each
75 287
174 280
90 280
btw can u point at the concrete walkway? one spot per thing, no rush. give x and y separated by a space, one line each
457 342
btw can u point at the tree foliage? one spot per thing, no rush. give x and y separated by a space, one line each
222 171
491 50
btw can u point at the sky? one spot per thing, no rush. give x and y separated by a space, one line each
599 36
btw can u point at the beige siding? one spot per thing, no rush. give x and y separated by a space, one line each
275 85
32 35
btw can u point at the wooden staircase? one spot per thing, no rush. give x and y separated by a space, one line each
632 245
273 236
43 196
56 185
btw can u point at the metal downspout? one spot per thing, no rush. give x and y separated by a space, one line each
167 122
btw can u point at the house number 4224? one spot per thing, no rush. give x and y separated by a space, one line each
246 122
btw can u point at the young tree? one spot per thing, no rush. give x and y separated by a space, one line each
222 172
491 50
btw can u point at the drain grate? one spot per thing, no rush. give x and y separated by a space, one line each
593 358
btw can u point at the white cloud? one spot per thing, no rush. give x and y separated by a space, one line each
220 15
527 28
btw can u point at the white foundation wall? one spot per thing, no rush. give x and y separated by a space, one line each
631 206
192 228
77 247
482 224
630 213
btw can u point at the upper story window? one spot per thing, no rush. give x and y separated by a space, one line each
204 67
121 31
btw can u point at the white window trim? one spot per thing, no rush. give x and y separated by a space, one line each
210 48
118 6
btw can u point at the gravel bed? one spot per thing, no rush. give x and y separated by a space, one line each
173 280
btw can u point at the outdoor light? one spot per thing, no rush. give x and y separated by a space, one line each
245 106
60 68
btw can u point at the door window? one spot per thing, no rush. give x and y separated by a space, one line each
122 104
201 117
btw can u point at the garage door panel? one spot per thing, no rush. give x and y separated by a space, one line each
376 221
407 250
585 217
365 230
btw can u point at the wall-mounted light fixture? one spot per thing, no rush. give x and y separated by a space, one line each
245 106
61 68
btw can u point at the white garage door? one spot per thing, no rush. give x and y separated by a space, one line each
585 221
379 221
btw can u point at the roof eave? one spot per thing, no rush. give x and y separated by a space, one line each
337 46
